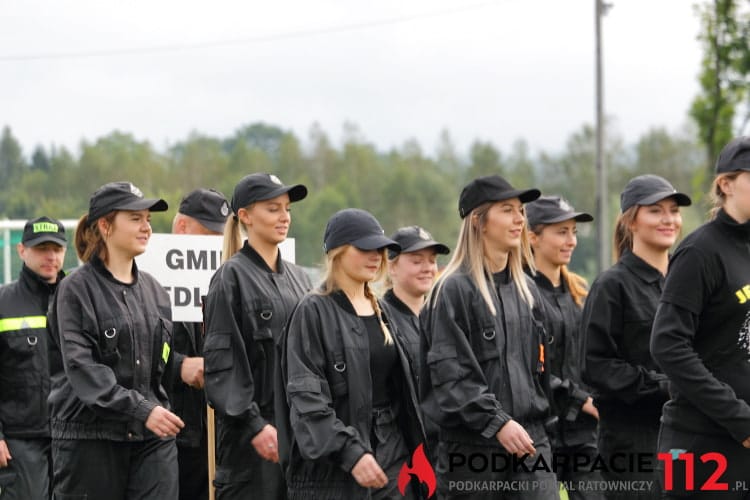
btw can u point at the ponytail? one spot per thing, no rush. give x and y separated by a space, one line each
623 237
576 285
232 238
88 240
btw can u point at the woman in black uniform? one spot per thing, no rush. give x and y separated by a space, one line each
249 301
701 339
411 274
629 388
111 331
482 358
353 408
553 236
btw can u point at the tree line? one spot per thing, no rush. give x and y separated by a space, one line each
400 186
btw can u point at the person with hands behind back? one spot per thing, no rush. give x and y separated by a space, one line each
483 375
249 301
201 212
352 404
701 339
111 334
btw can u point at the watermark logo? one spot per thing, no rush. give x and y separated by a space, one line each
420 469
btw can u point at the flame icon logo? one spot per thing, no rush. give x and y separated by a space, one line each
421 469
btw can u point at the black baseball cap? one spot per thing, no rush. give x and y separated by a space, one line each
358 228
414 239
43 230
259 187
734 156
551 210
491 188
649 189
121 195
207 206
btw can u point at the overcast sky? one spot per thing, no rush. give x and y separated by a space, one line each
491 70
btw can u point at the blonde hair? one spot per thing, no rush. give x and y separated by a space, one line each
469 255
330 284
88 240
623 236
232 242
717 196
576 284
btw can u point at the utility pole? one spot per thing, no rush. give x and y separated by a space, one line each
602 195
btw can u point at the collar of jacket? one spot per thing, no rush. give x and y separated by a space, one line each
542 281
733 227
98 265
36 283
255 257
640 267
393 300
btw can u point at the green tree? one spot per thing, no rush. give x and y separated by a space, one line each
724 76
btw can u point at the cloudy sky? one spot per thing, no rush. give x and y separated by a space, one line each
495 70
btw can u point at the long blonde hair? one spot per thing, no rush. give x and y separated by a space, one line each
232 242
469 255
718 197
330 284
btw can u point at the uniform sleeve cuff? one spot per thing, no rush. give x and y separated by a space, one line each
144 409
256 425
351 455
495 424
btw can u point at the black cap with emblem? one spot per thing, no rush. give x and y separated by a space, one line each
260 187
43 230
414 239
551 210
356 227
121 195
649 189
207 206
491 188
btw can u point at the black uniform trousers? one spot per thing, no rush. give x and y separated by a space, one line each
86 469
488 473
240 472
28 473
193 467
628 447
732 482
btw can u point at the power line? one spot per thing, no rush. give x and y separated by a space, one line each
157 49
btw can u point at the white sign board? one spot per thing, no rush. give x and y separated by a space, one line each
184 264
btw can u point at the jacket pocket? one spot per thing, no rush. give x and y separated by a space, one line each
305 394
162 343
444 365
217 352
109 339
336 373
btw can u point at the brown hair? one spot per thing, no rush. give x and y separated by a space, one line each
330 284
88 239
623 237
717 196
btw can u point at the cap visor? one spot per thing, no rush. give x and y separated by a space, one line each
48 238
682 199
296 193
212 225
376 242
577 216
439 247
525 195
150 204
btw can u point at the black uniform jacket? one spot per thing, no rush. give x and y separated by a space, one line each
329 396
478 370
247 308
701 332
616 327
111 343
187 402
406 325
562 322
24 370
